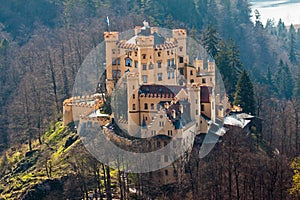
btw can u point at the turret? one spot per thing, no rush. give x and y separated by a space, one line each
111 39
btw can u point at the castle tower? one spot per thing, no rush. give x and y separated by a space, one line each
134 120
181 37
111 39
212 70
195 101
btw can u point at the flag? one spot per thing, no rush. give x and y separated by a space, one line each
107 21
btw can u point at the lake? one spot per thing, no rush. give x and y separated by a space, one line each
287 10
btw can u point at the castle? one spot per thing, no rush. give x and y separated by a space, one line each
168 89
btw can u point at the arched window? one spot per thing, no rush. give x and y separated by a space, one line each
128 62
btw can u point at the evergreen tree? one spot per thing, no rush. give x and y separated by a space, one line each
211 40
244 95
258 23
292 44
281 30
283 81
229 65
296 92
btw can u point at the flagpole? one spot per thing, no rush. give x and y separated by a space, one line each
108 24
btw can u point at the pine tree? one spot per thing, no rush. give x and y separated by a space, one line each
292 45
229 65
211 40
244 95
296 92
283 81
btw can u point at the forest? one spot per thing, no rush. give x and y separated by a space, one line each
42 46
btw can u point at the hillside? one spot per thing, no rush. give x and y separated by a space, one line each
42 46
58 167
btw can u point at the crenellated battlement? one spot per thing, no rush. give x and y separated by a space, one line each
111 36
157 95
179 33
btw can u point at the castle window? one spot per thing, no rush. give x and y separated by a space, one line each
173 74
181 49
191 72
159 64
133 107
136 64
158 54
180 59
158 144
169 62
161 124
146 106
172 52
133 96
181 71
119 61
114 61
197 112
135 53
144 77
116 74
166 171
144 56
113 51
128 62
150 66
173 62
153 132
144 66
159 76
168 52
166 160
170 133
152 106
204 80
202 107
169 75
192 81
